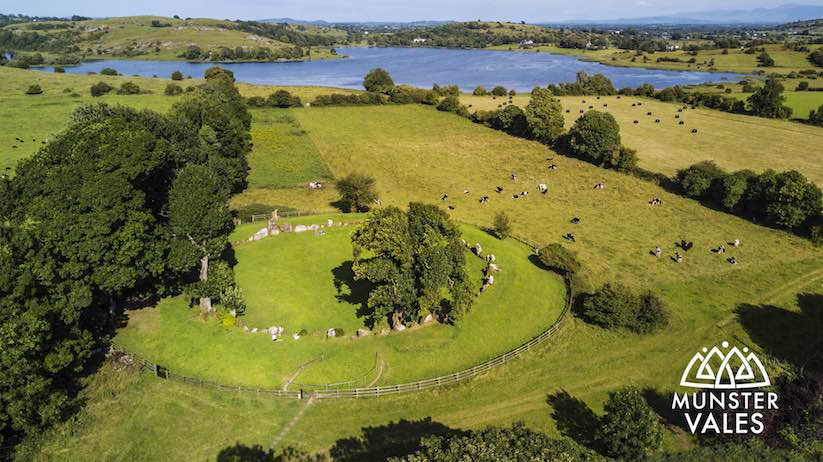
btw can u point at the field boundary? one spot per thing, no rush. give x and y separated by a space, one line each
366 392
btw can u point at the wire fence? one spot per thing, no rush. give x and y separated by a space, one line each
286 214
363 392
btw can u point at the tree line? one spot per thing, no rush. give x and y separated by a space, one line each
121 205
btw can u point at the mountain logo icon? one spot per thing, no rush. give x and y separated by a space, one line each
725 369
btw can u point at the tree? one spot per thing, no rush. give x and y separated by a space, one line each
764 60
544 115
200 220
499 90
816 117
626 159
768 101
611 307
730 189
283 99
595 135
378 80
128 88
357 192
172 89
177 75
816 57
630 429
480 90
415 263
697 180
511 120
502 225
790 199
34 90
108 71
517 443
451 104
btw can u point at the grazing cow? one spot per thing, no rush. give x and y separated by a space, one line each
681 123
694 130
637 121
633 104
657 251
584 101
598 97
499 189
514 177
657 121
465 191
552 167
605 105
569 237
721 249
732 260
568 110
575 220
445 197
515 196
451 207
591 107
639 104
599 186
648 113
524 193
490 279
676 116
680 110
490 257
543 187
581 111
484 199
677 257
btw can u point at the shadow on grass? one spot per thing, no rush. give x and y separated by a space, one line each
391 440
574 419
790 336
661 403
357 293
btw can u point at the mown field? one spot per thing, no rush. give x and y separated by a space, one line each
417 153
667 146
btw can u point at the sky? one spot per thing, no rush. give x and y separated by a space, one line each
383 10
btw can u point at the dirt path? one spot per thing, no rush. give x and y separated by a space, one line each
285 431
380 368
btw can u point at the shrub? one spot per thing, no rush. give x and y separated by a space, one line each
378 81
34 90
499 91
480 90
255 101
338 99
697 180
816 117
449 104
108 71
233 300
448 90
558 258
615 306
630 429
129 88
215 72
501 226
408 95
626 159
172 89
512 93
283 99
596 136
803 86
357 192
177 75
100 89
729 190
59 70
511 120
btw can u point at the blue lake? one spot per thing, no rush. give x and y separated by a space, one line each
422 67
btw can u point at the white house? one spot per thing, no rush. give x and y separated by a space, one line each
419 40
526 42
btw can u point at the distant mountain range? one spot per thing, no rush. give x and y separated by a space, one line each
779 15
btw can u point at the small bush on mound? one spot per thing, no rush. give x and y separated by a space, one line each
255 101
129 88
452 104
59 70
448 90
108 71
615 306
283 99
511 120
173 89
499 91
34 90
410 95
177 75
502 226
558 258
100 89
630 429
357 192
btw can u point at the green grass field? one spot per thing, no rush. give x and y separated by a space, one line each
133 37
736 60
289 280
418 154
667 146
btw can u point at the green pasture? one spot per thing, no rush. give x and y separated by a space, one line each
733 141
290 280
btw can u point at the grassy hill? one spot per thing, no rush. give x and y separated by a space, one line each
161 38
769 301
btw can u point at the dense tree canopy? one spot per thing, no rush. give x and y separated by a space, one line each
768 101
630 429
596 136
544 114
378 80
357 192
415 262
